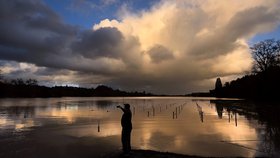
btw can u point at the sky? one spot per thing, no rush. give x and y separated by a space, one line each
158 46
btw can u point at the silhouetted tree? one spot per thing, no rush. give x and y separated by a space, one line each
31 82
218 88
264 83
30 88
218 84
266 54
227 84
17 82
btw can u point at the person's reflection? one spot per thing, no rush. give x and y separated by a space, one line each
126 128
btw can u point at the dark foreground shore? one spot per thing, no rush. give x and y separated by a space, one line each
148 154
46 144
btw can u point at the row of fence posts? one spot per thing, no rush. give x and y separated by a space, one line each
177 111
153 110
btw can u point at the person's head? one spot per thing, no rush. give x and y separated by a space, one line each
126 106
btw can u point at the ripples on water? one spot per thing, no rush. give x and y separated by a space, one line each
73 127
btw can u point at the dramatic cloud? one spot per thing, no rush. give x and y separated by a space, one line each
204 39
35 34
175 47
31 32
159 53
100 43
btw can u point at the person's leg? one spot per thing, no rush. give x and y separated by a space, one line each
126 140
123 141
129 141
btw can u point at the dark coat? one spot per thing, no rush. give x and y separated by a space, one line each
126 119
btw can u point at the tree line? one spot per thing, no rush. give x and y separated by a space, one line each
263 83
29 88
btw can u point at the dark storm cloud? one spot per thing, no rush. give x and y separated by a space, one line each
104 42
159 53
13 70
31 25
50 71
31 32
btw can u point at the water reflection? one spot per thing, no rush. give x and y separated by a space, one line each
220 110
184 125
267 126
98 126
200 112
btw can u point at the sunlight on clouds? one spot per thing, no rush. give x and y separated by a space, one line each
236 62
173 47
9 68
147 26
202 33
25 66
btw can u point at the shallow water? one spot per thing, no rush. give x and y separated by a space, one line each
90 127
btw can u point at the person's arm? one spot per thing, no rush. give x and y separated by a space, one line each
121 108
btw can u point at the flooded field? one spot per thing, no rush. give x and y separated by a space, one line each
90 127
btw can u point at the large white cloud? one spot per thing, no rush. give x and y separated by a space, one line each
206 38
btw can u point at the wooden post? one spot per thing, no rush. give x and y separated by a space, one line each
98 126
235 119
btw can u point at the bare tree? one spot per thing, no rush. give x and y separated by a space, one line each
266 54
18 82
31 82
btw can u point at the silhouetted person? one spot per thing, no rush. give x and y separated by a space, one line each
126 128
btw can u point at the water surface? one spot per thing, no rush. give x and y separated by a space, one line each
90 127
